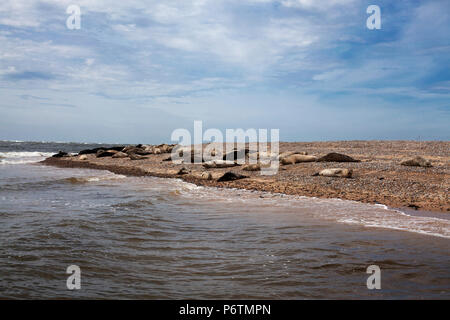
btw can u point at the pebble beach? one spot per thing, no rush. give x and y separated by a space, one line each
378 178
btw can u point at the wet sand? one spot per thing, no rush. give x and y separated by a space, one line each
378 178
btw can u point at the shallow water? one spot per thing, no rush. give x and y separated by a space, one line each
151 238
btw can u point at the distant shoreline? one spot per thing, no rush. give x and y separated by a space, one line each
378 178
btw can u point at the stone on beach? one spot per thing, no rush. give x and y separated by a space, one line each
82 157
337 157
335 172
417 162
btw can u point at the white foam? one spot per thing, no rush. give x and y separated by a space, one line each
25 154
23 157
106 177
338 210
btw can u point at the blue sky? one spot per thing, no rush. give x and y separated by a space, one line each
137 70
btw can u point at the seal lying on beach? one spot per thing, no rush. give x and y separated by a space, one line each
252 167
82 157
166 148
206 175
135 150
297 158
335 172
219 164
417 162
134 156
120 155
95 150
103 154
60 154
336 157
290 153
236 154
231 176
183 171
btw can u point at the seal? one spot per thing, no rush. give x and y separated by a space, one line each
252 167
297 158
336 157
206 175
60 154
219 164
183 171
136 150
95 150
134 156
120 155
417 162
236 154
231 176
290 153
335 172
103 154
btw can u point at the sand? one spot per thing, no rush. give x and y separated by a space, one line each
378 178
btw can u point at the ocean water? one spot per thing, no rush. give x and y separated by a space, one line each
152 238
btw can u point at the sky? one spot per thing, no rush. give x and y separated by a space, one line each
137 70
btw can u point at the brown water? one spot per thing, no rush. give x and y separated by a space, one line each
156 238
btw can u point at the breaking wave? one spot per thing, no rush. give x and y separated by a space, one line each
341 211
23 157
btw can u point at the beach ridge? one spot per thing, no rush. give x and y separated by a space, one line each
378 178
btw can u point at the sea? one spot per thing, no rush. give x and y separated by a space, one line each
154 238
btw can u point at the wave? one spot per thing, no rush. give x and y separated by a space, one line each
82 180
336 210
25 154
23 157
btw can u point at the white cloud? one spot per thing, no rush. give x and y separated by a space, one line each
315 4
170 41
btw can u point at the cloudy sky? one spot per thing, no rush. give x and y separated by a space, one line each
137 70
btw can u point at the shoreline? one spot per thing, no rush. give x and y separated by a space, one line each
376 180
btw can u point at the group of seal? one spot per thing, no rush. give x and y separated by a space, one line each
133 152
230 159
